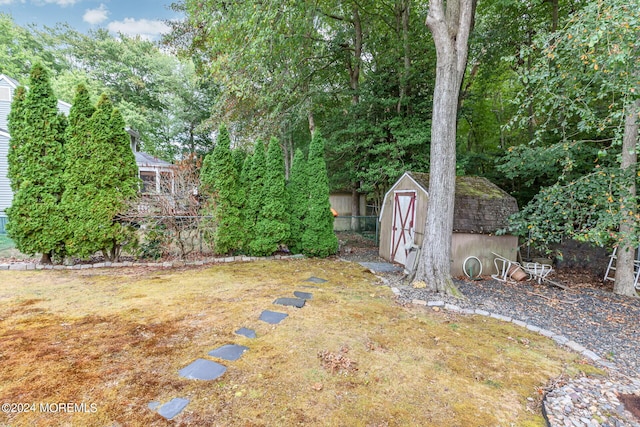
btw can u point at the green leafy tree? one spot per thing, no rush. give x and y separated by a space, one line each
298 200
220 179
256 192
36 221
158 94
450 24
272 229
318 238
21 48
586 92
100 181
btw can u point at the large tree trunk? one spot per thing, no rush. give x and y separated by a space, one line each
450 29
354 67
626 250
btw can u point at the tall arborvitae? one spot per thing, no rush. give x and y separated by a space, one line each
17 129
220 180
255 196
100 181
125 185
77 157
36 223
318 238
272 228
298 200
238 159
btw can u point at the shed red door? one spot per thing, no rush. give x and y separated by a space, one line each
403 228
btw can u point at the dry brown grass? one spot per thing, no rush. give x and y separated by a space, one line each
351 357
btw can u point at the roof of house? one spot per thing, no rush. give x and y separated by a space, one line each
65 107
146 159
480 205
13 82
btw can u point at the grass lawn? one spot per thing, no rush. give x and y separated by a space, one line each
351 357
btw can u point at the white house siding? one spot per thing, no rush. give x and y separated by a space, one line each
5 189
7 86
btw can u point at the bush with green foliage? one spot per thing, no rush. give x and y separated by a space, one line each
77 157
219 177
255 190
36 221
298 200
318 238
99 181
272 229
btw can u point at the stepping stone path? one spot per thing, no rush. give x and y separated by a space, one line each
273 317
246 332
381 267
230 352
303 295
315 280
291 302
173 407
203 369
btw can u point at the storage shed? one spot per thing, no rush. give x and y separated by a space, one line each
481 208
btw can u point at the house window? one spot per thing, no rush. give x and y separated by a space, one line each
148 181
5 94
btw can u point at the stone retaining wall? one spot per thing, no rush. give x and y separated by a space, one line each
166 264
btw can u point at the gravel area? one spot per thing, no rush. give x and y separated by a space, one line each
599 320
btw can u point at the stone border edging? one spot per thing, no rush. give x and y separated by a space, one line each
559 339
22 266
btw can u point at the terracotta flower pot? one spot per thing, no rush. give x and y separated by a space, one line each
517 273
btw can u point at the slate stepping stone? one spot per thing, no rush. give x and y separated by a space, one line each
272 317
246 332
203 369
315 280
173 407
291 302
229 352
381 267
303 295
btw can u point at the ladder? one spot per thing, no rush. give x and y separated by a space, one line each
611 268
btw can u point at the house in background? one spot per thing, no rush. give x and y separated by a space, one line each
481 208
7 87
156 175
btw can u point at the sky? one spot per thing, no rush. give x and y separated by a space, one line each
132 17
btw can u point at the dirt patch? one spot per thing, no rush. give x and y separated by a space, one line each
631 403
